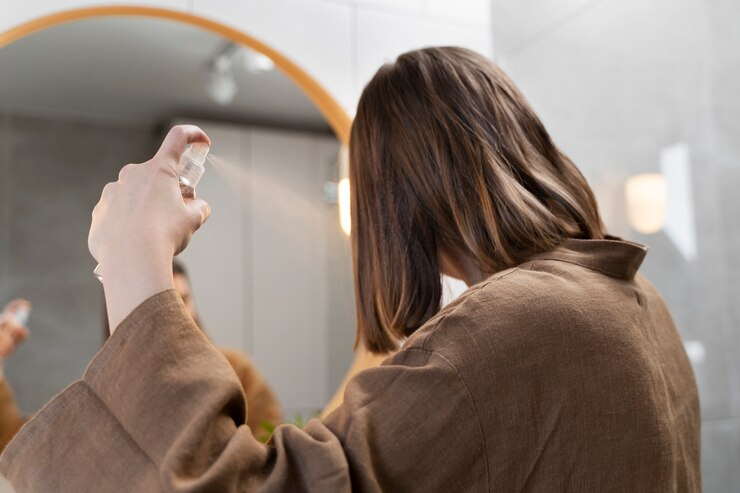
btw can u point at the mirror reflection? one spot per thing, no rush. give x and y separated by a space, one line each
268 277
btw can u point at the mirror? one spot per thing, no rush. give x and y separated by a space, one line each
270 271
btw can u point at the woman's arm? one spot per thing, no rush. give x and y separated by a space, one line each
11 419
141 222
12 334
160 409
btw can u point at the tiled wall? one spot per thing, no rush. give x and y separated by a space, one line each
51 175
616 82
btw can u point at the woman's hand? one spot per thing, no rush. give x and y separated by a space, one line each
141 222
12 331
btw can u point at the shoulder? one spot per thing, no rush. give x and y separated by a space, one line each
504 302
530 309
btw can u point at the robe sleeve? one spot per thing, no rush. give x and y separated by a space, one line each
262 404
160 409
11 418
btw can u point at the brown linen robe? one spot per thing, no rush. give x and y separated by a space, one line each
563 374
263 405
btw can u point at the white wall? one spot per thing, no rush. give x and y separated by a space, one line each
339 42
270 268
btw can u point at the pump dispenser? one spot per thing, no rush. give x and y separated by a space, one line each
190 169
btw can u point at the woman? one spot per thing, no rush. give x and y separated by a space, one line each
558 370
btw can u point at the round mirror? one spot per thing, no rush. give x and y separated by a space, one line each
269 273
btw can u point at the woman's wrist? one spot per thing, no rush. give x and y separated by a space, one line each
132 278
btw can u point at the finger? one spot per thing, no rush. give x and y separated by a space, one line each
6 345
107 189
198 211
177 140
19 334
127 170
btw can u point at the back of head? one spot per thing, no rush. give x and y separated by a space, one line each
447 155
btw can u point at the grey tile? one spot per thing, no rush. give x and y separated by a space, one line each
515 23
723 60
4 200
725 132
720 448
622 74
53 172
66 326
57 170
728 191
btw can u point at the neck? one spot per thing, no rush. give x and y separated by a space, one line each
463 268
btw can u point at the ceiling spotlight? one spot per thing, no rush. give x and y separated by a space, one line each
222 86
255 62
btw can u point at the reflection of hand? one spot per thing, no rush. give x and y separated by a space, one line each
141 222
12 333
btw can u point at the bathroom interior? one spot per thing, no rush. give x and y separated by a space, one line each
643 96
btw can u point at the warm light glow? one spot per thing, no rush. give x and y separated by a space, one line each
344 216
256 62
646 202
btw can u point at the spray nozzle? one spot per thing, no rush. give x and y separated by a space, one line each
191 164
21 315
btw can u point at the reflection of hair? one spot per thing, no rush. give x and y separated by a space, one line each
179 269
446 153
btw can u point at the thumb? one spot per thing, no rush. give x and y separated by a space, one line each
198 212
177 140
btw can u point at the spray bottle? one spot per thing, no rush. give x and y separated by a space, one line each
19 316
190 169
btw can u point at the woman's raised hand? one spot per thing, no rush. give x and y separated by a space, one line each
141 222
12 330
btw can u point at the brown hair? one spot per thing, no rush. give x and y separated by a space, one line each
447 155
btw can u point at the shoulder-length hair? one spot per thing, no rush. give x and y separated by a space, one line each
447 155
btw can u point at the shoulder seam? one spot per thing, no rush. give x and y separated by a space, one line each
471 402
472 405
477 289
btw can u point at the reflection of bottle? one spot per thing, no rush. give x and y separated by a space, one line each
21 315
190 169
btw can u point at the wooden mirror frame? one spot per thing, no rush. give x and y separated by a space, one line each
338 119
